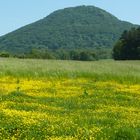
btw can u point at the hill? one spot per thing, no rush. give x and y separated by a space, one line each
77 28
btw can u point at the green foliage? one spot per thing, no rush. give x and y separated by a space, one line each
65 54
79 28
42 54
128 47
4 54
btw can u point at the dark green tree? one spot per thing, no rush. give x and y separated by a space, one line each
86 56
4 54
128 46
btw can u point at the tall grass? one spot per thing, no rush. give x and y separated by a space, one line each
123 71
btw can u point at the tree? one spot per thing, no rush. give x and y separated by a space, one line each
128 46
4 54
86 56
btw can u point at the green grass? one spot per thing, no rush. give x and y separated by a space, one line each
53 99
104 70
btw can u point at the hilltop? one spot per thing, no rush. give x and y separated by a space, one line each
71 29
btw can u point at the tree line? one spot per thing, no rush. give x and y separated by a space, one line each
63 54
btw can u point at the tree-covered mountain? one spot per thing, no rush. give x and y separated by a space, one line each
76 28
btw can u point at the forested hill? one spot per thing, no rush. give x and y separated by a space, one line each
76 28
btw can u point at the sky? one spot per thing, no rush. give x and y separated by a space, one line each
17 13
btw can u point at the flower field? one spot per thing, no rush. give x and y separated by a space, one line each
71 100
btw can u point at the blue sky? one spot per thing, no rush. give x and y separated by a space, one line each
17 13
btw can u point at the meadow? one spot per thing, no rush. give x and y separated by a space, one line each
70 100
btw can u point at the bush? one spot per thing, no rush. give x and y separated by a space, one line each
4 54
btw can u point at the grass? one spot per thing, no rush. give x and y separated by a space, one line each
49 99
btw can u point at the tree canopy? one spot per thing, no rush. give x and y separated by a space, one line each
128 46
